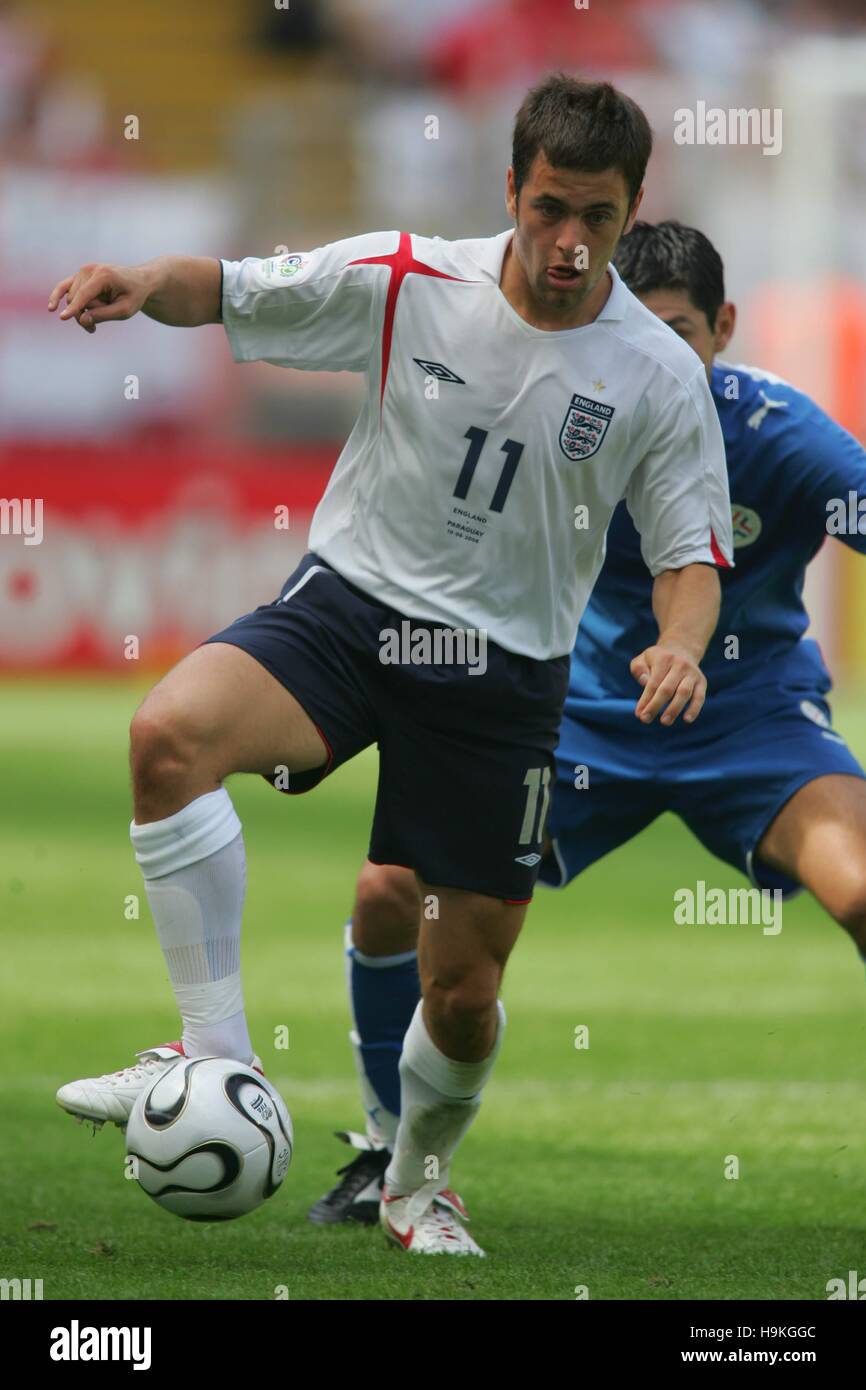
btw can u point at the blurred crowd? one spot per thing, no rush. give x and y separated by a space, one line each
53 111
266 126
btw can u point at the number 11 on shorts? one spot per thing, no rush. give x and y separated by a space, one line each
536 780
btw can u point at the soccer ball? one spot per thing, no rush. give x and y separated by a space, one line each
211 1139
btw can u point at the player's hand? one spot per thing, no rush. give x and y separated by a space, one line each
672 681
98 293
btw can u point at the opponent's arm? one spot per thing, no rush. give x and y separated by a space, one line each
686 605
680 503
183 291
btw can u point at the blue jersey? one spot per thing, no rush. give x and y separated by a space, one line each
791 470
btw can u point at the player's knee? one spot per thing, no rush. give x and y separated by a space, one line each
463 1002
385 914
162 745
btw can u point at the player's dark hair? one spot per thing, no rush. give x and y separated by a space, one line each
669 256
581 125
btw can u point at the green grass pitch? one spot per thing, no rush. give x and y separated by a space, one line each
600 1167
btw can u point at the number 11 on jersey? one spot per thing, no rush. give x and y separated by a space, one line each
512 451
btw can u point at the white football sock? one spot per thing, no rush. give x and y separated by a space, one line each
195 876
439 1099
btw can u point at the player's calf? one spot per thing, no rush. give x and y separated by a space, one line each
448 1056
387 910
465 948
846 902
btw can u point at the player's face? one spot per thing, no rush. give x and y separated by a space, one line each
568 224
675 308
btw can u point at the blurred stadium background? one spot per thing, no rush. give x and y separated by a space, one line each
160 464
258 126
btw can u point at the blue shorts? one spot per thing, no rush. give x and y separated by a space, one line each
466 756
727 775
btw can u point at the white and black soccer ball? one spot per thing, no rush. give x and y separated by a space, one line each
211 1139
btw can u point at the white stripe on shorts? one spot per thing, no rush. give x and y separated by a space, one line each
314 569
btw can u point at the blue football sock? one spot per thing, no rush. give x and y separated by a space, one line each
384 993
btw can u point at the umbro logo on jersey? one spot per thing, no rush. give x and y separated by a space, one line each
441 373
584 427
530 860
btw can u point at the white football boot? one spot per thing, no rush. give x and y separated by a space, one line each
111 1097
427 1222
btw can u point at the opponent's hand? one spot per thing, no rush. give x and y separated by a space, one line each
671 680
98 293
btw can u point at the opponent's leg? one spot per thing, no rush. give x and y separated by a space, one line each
382 981
218 711
382 978
448 1055
819 838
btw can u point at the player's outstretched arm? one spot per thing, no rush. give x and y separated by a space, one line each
183 291
686 605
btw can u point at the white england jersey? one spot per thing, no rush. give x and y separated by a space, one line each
476 487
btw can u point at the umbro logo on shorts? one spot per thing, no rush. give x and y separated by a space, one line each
530 860
441 373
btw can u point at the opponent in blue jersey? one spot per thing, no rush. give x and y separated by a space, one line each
762 779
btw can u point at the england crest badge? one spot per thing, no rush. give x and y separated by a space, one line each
584 427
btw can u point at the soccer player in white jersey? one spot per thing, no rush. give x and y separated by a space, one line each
450 559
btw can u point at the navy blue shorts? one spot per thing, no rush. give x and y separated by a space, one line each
727 776
466 758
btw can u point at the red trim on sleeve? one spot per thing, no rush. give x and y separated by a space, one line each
717 554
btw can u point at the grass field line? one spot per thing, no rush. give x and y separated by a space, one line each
525 1090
